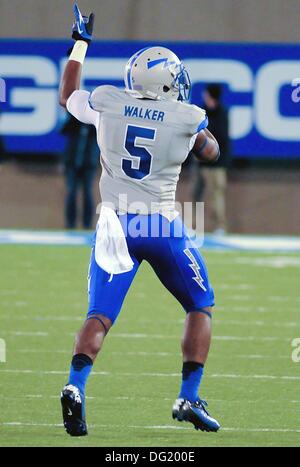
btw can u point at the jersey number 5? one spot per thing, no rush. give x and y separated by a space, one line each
139 166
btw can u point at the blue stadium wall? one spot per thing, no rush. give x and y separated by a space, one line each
261 90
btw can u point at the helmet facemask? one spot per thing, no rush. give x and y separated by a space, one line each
181 82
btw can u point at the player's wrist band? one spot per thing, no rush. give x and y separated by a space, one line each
79 51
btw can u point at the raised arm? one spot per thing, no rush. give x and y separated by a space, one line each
70 81
82 33
206 147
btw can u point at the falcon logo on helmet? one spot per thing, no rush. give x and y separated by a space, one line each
157 73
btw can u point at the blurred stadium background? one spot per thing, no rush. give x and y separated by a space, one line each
249 47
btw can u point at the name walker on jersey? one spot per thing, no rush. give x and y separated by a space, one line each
140 112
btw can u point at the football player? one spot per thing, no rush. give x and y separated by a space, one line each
145 132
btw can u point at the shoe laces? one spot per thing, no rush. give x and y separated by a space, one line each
202 403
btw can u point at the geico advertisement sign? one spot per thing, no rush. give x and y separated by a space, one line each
33 108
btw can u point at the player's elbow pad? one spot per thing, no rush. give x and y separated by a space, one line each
217 154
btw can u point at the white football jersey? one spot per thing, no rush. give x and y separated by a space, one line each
143 144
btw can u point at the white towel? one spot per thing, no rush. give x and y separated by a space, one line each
111 251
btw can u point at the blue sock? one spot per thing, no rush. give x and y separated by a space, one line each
191 378
81 367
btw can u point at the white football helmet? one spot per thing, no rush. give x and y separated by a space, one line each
157 73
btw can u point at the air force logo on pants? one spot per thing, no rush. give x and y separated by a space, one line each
196 269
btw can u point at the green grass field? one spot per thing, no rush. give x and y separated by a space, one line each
251 383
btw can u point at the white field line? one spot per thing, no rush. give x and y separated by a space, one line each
218 338
154 375
104 398
69 352
8 292
220 322
29 333
276 324
226 286
150 354
154 427
248 430
161 336
280 298
219 309
241 298
254 310
276 262
42 351
144 398
262 357
262 377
